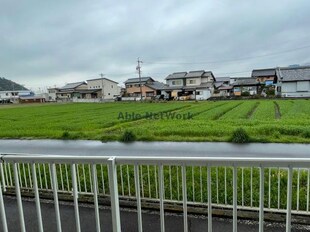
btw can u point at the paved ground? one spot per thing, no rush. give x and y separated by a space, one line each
176 149
174 222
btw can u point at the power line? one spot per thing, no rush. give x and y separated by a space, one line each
230 60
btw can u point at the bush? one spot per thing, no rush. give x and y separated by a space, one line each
128 136
65 135
240 136
306 134
245 94
270 92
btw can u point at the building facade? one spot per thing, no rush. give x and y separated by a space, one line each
293 81
103 88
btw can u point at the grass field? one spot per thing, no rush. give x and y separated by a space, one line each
264 121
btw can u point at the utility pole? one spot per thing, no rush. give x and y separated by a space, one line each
139 71
102 93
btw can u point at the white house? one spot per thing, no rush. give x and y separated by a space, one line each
52 94
107 89
14 95
293 81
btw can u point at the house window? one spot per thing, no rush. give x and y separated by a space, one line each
108 93
192 82
278 88
199 93
137 85
149 94
177 82
112 86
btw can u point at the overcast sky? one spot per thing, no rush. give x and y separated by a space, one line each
53 42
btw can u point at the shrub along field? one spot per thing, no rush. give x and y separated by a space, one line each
262 120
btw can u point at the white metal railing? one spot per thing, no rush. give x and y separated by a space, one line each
262 184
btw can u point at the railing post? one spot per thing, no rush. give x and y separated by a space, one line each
137 188
114 195
261 200
289 199
95 184
2 211
55 193
184 193
75 198
235 199
37 196
2 177
19 199
161 197
209 199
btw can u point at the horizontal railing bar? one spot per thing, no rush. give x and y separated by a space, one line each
165 160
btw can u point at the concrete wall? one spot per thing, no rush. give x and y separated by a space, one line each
295 89
204 94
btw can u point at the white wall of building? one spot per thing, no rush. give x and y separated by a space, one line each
175 82
14 94
110 88
193 81
203 94
295 89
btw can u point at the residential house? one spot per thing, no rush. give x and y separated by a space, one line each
222 87
264 76
149 87
102 88
194 85
14 95
70 91
52 94
245 85
293 81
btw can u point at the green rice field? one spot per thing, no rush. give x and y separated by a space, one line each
286 121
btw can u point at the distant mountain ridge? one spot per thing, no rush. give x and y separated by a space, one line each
6 85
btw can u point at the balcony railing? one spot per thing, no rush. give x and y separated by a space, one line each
258 184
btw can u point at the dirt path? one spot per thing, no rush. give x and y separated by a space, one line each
277 110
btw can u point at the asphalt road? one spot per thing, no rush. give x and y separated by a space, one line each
198 149
151 220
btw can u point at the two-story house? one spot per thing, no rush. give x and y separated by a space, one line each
192 85
293 81
149 87
102 88
264 76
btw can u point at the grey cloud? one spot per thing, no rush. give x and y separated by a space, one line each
52 42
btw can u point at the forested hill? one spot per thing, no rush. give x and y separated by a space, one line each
6 84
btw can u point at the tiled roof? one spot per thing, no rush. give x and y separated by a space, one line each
264 72
156 85
72 85
198 73
137 80
301 73
245 81
176 75
222 79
